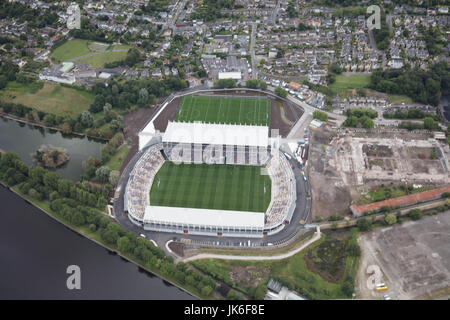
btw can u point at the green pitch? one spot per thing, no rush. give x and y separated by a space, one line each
221 187
250 111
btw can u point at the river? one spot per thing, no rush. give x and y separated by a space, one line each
36 250
25 139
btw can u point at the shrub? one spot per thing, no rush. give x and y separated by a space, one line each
363 224
415 214
390 219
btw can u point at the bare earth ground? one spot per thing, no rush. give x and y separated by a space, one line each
345 165
330 195
414 260
133 123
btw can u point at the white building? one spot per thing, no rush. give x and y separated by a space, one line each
230 75
74 18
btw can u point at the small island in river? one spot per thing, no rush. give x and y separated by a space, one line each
51 157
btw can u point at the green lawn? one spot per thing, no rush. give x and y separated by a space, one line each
99 60
116 161
250 111
122 47
220 187
71 49
398 99
353 81
52 98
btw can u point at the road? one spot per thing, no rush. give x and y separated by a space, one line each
288 254
252 51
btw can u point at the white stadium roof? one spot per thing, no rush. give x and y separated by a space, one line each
204 217
218 134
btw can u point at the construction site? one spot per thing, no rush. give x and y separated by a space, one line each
412 260
347 163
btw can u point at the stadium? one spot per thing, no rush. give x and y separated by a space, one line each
211 169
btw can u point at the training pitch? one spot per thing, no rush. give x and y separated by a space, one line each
220 187
242 111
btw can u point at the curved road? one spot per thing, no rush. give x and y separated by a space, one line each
316 237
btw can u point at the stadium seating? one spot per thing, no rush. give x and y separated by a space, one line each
283 190
140 181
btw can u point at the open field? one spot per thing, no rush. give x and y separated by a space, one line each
71 49
52 98
352 81
117 160
220 187
99 60
307 276
397 99
412 258
233 110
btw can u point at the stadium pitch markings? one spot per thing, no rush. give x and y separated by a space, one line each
219 187
242 111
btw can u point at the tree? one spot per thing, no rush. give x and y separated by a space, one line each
86 119
123 244
143 97
429 123
114 177
317 114
206 291
415 214
390 219
110 236
252 83
51 180
102 174
263 85
363 224
281 92
347 288
353 249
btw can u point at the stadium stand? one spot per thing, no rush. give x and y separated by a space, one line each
140 182
283 191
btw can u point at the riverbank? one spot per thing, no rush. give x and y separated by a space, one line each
93 236
41 125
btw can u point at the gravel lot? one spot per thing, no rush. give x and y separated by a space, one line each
413 260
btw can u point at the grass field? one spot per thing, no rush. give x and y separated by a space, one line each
116 160
71 49
52 98
220 187
250 111
397 99
352 81
99 60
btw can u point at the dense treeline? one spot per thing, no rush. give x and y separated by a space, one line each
225 83
35 18
41 184
360 118
410 114
383 35
134 92
210 10
132 58
428 124
422 86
